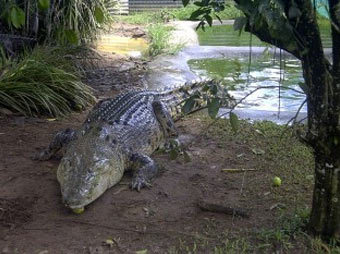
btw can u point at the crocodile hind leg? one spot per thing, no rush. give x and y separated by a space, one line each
144 169
165 120
61 139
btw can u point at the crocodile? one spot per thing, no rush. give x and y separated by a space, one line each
118 134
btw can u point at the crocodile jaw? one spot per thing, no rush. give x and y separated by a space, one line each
89 167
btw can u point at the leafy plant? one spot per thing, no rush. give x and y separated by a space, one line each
159 36
205 11
71 21
43 83
213 95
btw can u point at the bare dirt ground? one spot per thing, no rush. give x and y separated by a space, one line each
33 219
163 219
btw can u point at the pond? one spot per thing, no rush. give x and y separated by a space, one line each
242 78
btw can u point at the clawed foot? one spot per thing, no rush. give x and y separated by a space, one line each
172 144
139 182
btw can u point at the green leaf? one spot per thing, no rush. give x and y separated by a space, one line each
239 23
71 36
218 17
304 87
17 17
43 4
213 89
209 19
185 2
201 24
173 154
258 151
188 105
205 88
198 13
200 4
213 107
234 121
98 13
145 251
187 157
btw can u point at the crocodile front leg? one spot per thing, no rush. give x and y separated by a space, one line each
61 139
144 169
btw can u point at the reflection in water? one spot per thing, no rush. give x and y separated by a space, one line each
121 45
241 80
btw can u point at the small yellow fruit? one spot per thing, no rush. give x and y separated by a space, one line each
276 181
78 210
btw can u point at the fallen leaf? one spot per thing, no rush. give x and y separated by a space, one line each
266 193
109 242
259 132
258 151
145 251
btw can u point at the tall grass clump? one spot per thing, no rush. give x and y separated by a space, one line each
72 21
43 83
159 37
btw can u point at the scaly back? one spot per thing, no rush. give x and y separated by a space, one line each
127 106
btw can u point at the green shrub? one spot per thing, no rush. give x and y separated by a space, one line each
159 37
71 21
43 83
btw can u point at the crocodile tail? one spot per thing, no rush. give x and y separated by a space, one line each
175 98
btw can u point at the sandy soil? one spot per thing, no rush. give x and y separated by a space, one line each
33 218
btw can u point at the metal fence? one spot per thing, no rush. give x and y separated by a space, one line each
121 7
153 5
128 6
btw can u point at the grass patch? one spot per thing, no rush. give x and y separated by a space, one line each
283 155
281 229
159 36
184 13
43 83
285 211
225 35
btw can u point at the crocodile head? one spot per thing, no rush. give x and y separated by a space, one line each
91 165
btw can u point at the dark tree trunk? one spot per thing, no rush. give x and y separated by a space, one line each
323 100
324 219
325 216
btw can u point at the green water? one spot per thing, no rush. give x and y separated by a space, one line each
241 79
224 35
